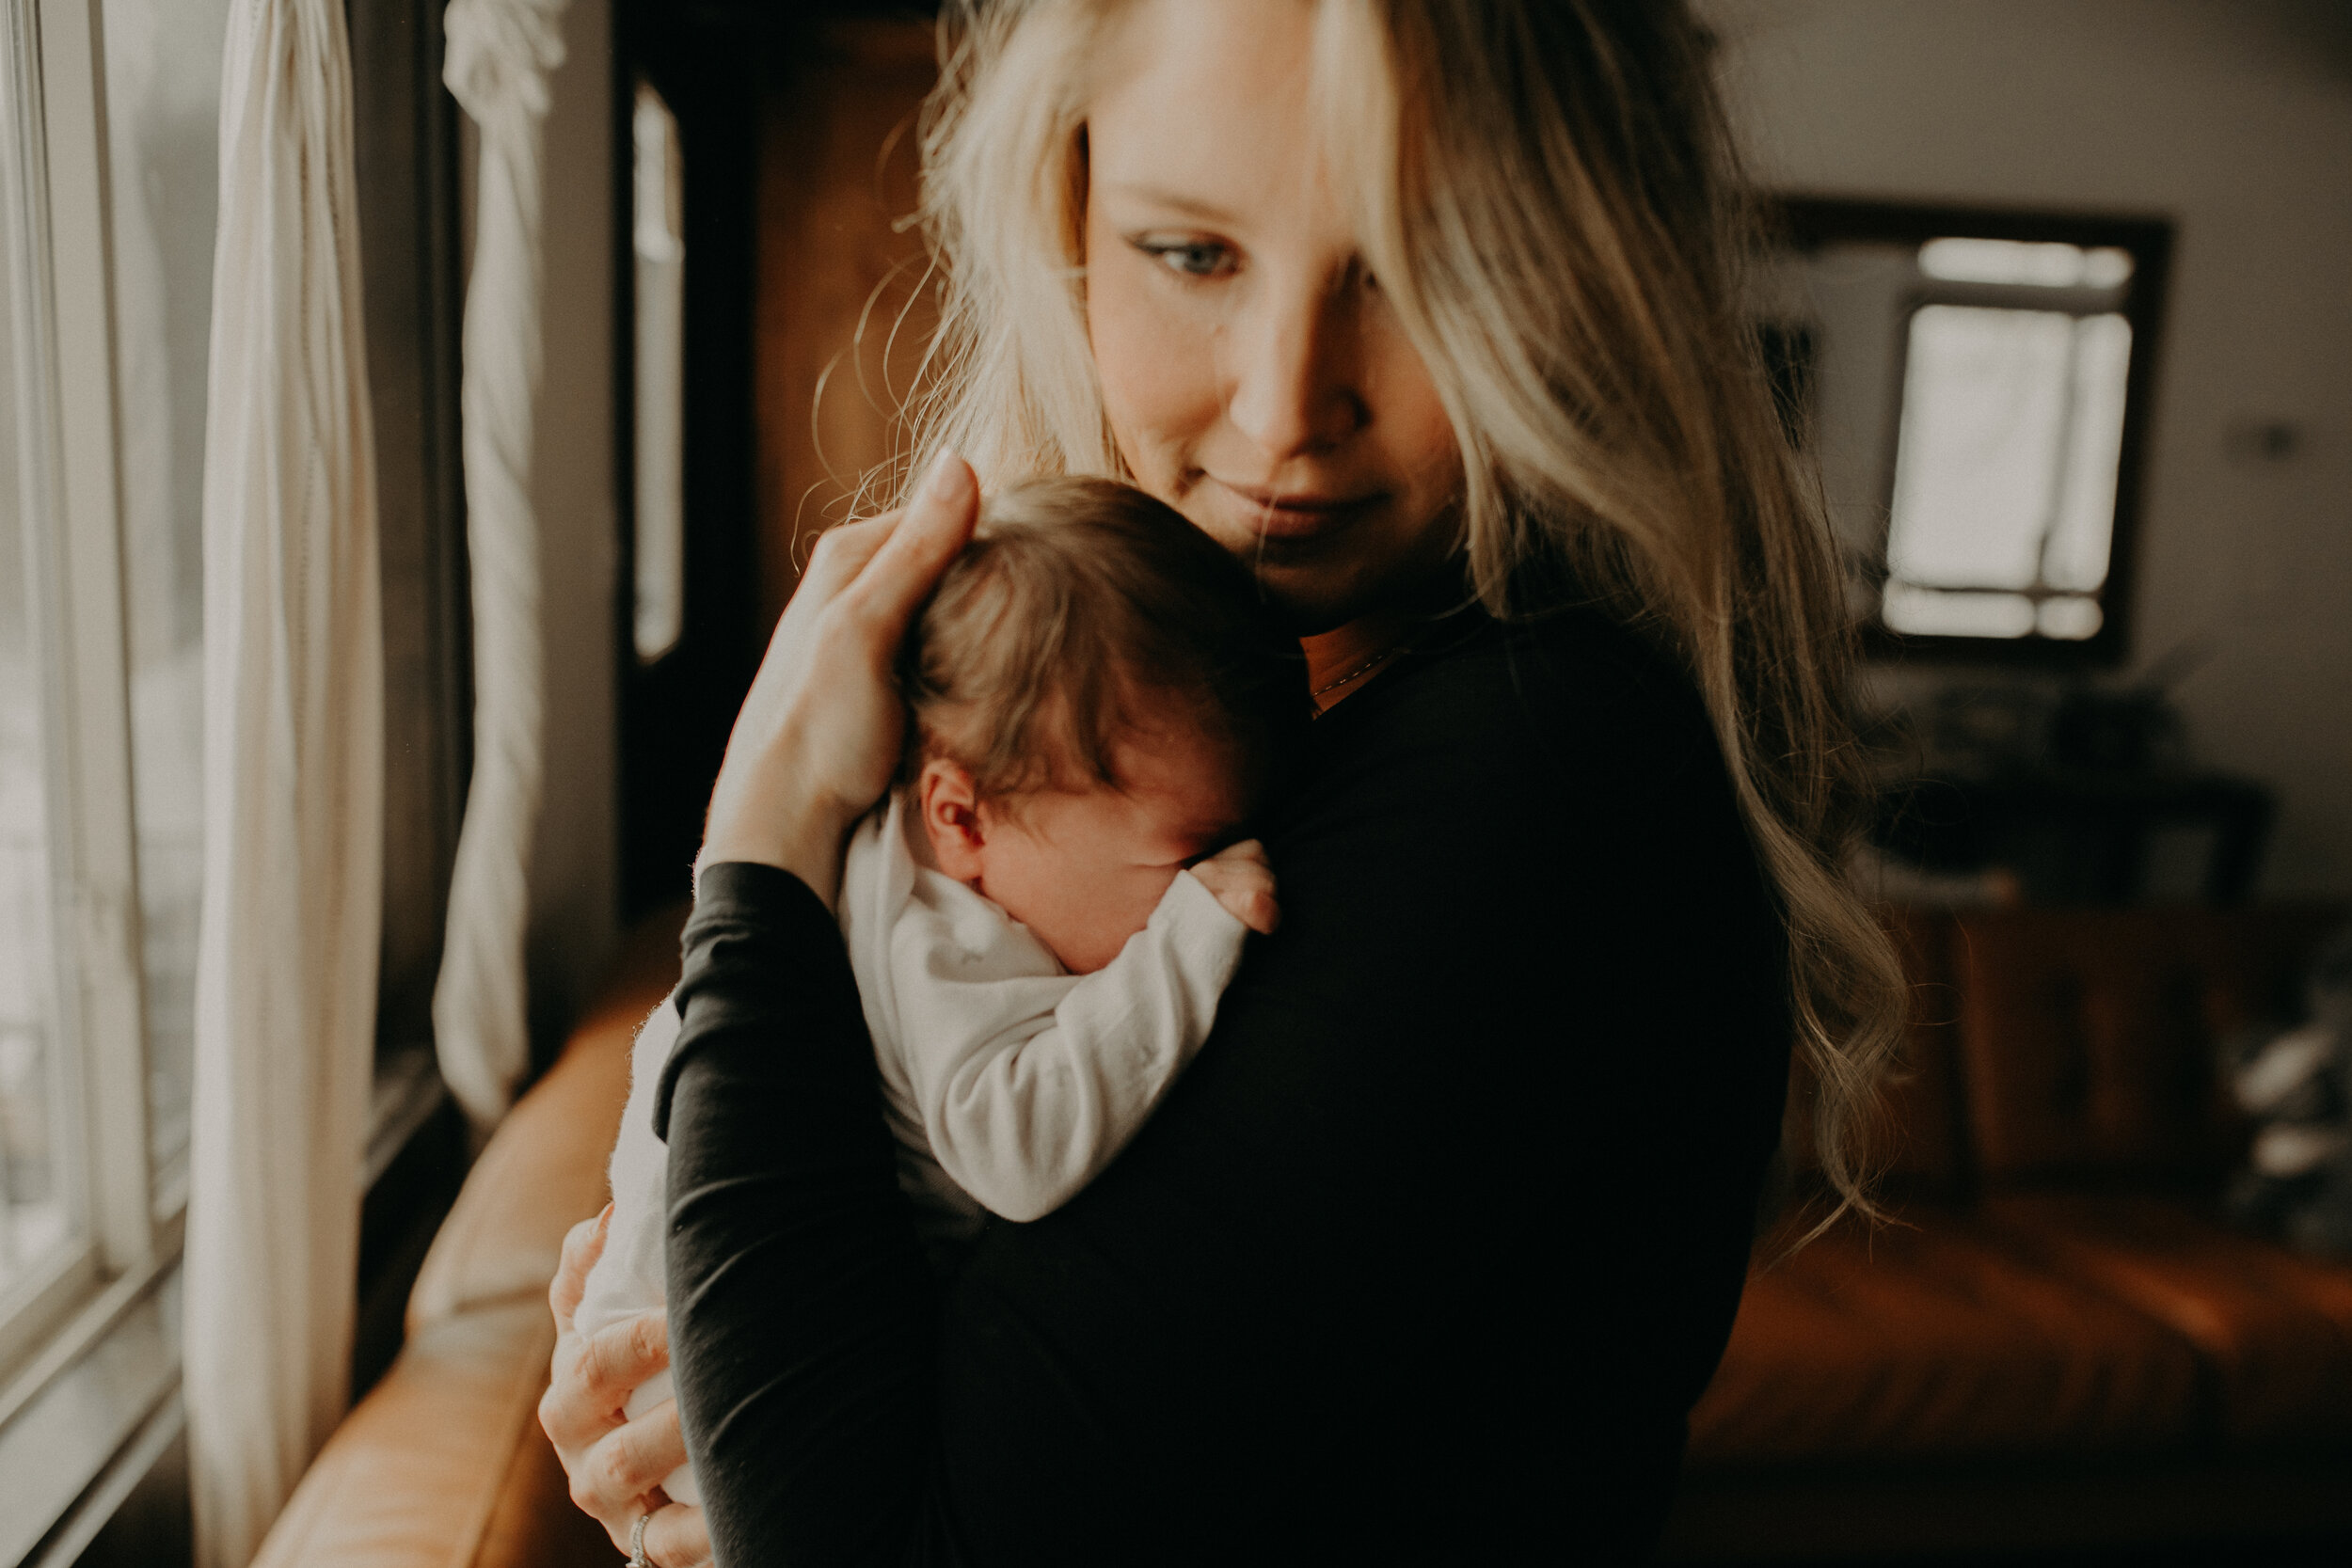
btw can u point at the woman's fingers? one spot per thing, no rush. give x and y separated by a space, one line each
840 553
592 1378
629 1464
612 1465
882 565
819 735
583 1245
677 1537
617 1480
624 1355
907 564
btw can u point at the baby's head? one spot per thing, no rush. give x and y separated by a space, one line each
1100 695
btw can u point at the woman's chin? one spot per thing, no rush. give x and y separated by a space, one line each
1309 605
1316 600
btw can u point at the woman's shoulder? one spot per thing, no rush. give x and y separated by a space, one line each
1559 752
1583 704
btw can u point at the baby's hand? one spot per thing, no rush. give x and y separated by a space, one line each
1244 884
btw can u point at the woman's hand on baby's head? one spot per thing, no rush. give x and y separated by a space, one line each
1244 884
818 737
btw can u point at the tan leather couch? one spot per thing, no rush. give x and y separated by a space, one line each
443 1464
2058 1345
2055 1346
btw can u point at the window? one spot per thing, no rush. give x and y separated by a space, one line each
1974 387
659 242
108 131
107 139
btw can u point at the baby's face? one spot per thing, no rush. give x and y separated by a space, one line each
1084 869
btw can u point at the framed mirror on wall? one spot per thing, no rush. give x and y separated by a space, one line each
1973 386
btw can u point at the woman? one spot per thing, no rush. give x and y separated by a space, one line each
1425 307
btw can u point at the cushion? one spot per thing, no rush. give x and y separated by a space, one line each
444 1462
2273 1328
2087 1037
1926 1338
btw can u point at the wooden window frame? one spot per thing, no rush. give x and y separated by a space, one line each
1807 223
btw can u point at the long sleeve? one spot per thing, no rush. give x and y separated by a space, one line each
1021 1110
805 1380
1426 1254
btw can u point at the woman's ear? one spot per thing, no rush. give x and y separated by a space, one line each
950 803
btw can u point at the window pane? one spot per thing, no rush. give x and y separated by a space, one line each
1925 613
661 301
2070 618
35 1124
2041 264
2085 529
1985 396
163 93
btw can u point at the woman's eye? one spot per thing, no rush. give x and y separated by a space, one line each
1189 258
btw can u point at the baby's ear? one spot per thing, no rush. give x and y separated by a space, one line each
950 804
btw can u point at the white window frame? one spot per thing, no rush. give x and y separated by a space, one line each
70 496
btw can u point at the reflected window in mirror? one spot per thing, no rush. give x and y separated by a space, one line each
1973 385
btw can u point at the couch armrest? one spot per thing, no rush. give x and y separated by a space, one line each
443 1464
544 1171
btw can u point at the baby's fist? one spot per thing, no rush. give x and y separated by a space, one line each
1244 884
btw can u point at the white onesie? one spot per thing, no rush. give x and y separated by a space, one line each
1008 1082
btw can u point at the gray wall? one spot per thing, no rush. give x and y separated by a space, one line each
2233 117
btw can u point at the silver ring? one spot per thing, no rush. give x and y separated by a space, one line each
636 1557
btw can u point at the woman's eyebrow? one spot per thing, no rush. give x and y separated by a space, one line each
1174 201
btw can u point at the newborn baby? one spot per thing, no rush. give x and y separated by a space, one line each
1039 927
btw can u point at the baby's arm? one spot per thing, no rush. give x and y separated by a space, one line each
1026 1111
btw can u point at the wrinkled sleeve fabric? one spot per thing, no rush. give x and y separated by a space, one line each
1024 1112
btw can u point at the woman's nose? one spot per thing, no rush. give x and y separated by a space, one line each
1293 371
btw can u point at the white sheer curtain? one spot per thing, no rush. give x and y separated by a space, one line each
285 1004
500 55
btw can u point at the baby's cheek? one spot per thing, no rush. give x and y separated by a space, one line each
1152 889
1125 905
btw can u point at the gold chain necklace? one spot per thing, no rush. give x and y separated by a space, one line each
1365 668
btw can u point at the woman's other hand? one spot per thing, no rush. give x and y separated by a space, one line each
1244 884
616 1465
820 732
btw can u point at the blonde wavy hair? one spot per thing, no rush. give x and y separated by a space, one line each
1548 197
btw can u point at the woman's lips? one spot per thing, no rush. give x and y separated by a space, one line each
1295 514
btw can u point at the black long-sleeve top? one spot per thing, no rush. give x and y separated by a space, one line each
1424 1259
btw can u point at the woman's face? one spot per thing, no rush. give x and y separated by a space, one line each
1254 377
